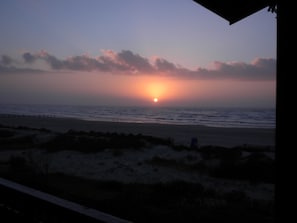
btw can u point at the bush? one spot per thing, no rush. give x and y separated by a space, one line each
18 163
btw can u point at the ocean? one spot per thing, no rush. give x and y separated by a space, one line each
214 117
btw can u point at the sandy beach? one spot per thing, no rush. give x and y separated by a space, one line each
114 160
100 162
180 134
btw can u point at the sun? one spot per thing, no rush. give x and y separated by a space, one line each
155 100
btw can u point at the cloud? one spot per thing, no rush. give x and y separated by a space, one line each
127 62
78 63
5 60
259 69
164 65
29 58
17 70
8 66
135 62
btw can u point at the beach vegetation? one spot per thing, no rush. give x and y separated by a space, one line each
175 202
18 163
17 142
87 142
254 168
171 201
230 163
4 133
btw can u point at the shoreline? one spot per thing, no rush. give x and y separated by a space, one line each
180 134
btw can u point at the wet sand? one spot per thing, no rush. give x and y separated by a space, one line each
180 134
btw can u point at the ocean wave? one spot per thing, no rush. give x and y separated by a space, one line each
219 117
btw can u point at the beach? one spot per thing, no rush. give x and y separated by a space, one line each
180 134
99 162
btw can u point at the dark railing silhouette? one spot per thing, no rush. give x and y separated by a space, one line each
19 203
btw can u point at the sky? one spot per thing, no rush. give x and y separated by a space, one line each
126 53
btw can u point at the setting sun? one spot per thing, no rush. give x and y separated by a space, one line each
155 100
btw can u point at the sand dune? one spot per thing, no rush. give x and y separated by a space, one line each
156 163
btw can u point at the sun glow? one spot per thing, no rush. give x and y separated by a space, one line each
157 90
164 88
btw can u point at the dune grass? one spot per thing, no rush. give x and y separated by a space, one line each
176 201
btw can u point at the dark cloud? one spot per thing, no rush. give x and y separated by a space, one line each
51 60
78 63
29 58
259 69
135 62
164 65
85 63
5 60
7 66
130 63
